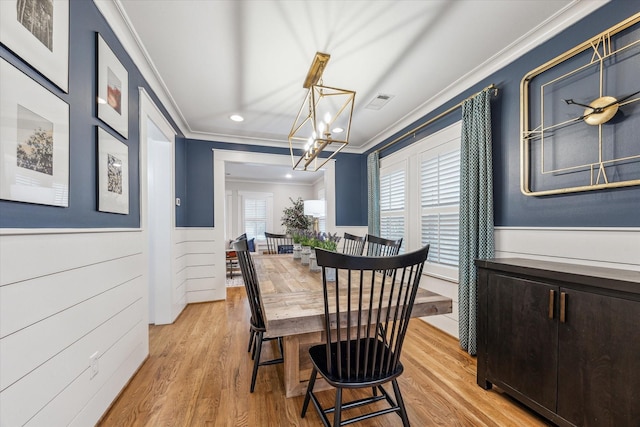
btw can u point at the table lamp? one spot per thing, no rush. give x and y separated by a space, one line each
314 208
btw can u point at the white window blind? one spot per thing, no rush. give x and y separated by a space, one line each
392 204
255 217
440 200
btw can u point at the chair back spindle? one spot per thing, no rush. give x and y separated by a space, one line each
367 312
353 245
379 246
278 243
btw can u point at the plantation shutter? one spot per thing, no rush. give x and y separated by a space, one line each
440 200
255 217
392 204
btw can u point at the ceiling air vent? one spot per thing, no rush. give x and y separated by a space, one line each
379 101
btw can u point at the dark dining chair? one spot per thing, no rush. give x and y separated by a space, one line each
231 258
366 315
279 243
353 245
257 328
379 246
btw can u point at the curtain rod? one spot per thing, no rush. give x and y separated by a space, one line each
439 116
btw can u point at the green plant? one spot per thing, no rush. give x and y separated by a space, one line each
327 241
294 219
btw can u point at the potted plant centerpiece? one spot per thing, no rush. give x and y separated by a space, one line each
297 224
328 242
307 239
296 236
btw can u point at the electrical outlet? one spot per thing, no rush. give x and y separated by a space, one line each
93 363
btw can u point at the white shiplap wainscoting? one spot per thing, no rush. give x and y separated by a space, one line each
202 260
66 295
604 247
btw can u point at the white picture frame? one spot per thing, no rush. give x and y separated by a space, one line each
113 174
38 32
34 141
113 90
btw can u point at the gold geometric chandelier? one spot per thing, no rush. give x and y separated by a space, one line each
323 122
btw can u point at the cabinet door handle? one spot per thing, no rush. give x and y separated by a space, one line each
552 298
563 306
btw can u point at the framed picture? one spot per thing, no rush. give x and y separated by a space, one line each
113 174
34 141
113 90
38 32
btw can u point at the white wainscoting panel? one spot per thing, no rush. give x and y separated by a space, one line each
66 295
446 322
204 265
604 247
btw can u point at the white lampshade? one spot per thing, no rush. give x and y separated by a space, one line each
314 208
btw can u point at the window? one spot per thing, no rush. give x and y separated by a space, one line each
392 204
257 215
419 199
439 201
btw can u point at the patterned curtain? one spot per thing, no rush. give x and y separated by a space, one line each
476 208
373 179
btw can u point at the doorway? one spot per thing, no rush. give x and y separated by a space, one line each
157 142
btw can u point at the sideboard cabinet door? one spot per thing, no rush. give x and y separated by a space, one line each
523 341
599 360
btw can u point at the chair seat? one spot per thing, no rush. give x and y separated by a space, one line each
358 372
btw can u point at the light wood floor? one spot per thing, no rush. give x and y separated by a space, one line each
198 374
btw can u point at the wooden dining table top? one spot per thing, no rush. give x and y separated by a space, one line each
293 303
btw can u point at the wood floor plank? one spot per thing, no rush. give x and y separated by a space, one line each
199 371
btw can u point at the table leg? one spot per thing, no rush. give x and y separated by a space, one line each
297 364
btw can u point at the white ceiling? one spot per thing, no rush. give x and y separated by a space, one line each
217 58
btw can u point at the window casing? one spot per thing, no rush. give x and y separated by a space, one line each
424 207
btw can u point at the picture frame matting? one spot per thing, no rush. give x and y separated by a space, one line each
38 32
113 90
113 174
34 141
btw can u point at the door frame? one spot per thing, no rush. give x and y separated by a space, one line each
150 111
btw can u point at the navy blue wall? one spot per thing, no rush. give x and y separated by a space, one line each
84 22
181 181
602 208
198 170
351 199
194 161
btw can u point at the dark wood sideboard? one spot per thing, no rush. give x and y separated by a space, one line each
563 339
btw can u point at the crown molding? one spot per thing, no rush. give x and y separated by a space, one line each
113 12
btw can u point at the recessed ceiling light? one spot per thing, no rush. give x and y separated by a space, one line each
288 176
338 130
236 118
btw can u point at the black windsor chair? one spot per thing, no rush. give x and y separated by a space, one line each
279 243
355 354
257 328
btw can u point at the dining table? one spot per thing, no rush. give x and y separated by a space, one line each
293 308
